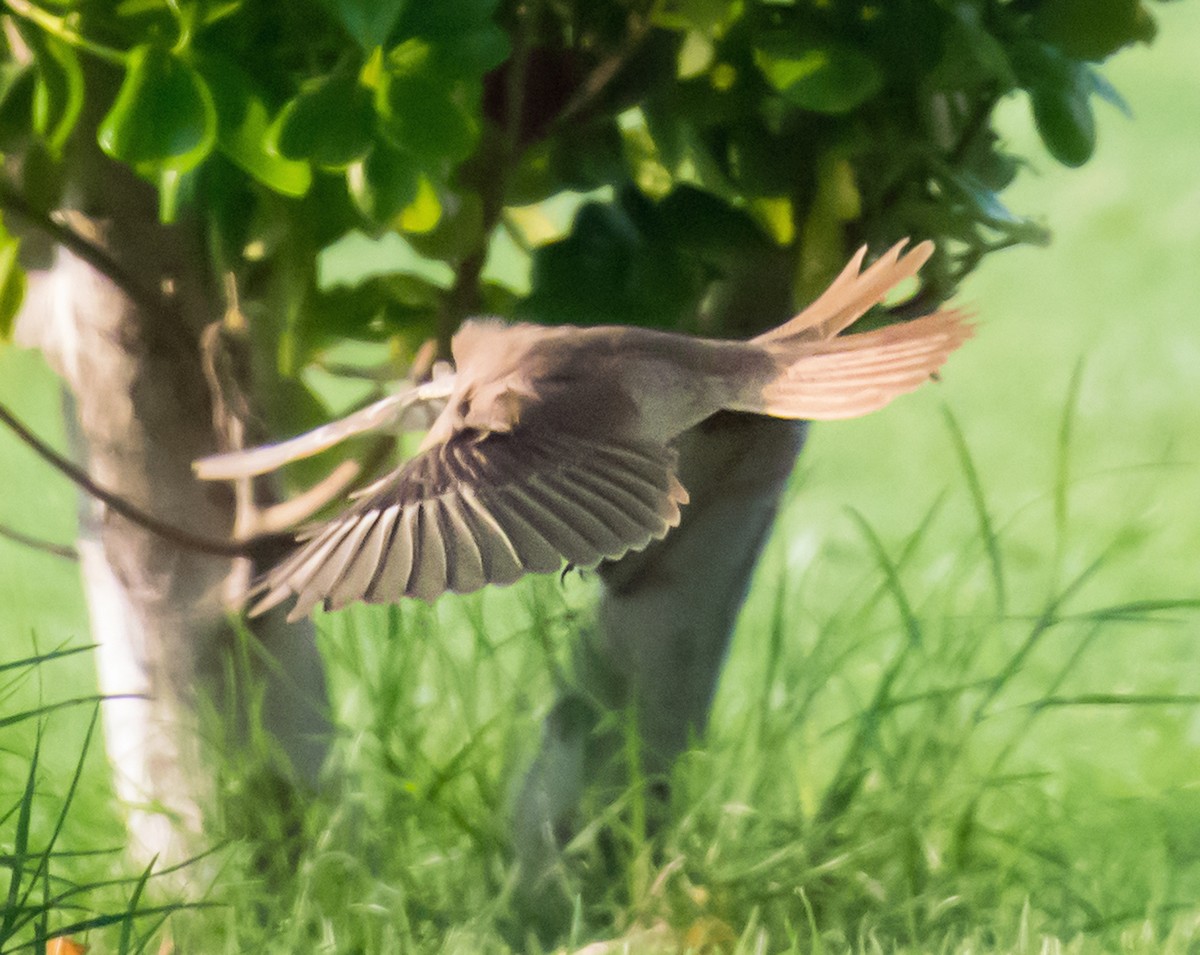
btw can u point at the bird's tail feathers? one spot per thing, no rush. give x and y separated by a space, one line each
852 294
817 374
856 374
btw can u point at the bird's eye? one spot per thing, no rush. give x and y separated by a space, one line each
464 407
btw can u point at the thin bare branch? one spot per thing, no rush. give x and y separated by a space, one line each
177 535
607 69
48 547
12 202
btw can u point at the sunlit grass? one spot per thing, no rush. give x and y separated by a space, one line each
56 878
876 777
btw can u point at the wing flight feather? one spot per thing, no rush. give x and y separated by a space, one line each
482 509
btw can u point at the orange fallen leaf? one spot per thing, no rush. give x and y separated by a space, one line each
65 946
710 935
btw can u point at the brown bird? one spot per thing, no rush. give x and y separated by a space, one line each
556 444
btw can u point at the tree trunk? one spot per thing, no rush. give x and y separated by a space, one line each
666 614
125 339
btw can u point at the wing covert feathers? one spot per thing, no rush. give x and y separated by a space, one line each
395 411
479 510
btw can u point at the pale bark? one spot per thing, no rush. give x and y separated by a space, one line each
139 412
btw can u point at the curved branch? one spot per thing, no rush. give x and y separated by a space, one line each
57 26
12 201
219 546
607 70
36 543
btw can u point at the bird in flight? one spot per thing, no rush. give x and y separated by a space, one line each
555 444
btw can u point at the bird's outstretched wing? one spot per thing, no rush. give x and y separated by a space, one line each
483 509
413 407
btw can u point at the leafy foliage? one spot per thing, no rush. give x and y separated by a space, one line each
804 127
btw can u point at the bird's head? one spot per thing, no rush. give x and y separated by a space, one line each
493 386
488 406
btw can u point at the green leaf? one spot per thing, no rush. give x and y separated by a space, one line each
420 116
763 162
987 208
425 211
615 267
172 184
986 161
1107 92
374 309
57 91
822 76
1065 122
369 22
1092 29
476 52
12 283
708 17
590 155
710 228
446 20
242 124
971 54
163 117
383 183
421 112
534 179
1060 91
16 108
330 123
43 177
456 231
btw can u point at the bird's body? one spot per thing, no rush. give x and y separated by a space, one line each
557 443
615 381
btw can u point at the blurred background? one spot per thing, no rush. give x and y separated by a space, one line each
1114 299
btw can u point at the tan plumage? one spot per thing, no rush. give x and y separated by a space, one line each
556 443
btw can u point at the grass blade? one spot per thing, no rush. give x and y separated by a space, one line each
987 531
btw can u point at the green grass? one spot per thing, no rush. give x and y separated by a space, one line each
959 715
